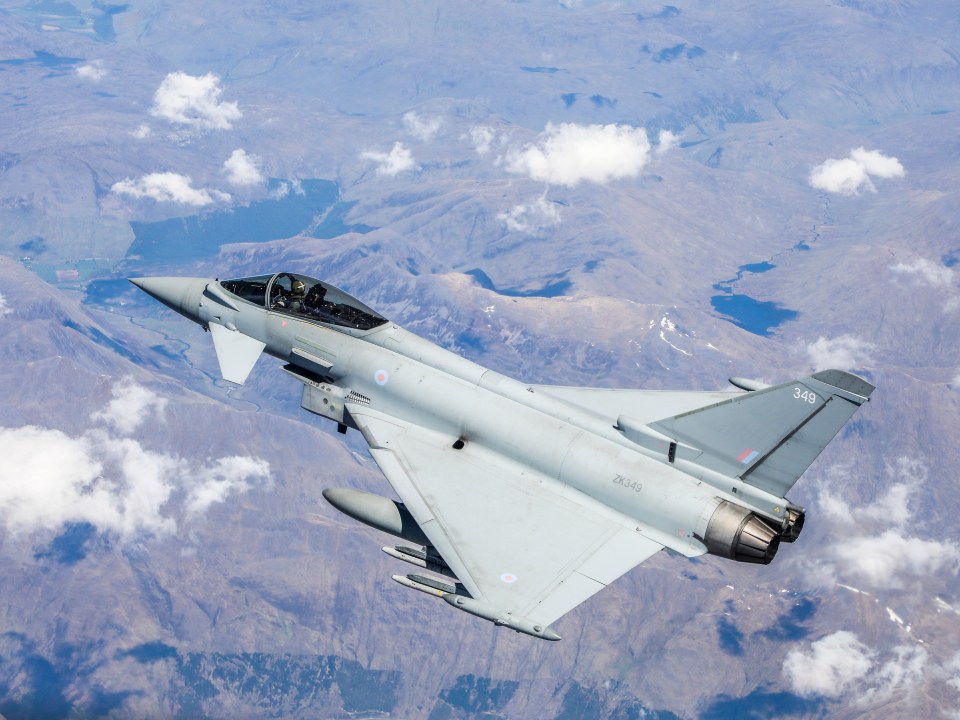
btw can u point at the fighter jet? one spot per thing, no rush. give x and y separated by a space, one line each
521 501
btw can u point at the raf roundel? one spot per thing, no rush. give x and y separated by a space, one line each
508 578
380 377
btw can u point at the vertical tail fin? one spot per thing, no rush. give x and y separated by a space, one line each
769 437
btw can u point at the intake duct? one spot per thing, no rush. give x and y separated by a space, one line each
736 533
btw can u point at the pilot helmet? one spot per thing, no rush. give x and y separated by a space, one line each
297 287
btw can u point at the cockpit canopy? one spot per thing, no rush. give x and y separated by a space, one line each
307 297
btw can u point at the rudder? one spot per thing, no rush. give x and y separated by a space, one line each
769 437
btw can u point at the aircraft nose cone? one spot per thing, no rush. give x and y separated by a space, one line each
177 293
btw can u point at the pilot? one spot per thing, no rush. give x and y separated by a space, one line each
314 301
295 298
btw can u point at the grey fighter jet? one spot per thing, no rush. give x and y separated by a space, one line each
521 501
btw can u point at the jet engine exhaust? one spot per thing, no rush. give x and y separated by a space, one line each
736 533
794 525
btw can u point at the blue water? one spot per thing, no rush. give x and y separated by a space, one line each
200 236
69 547
55 8
473 695
471 341
601 102
726 286
43 684
569 98
103 23
34 246
43 59
149 652
759 317
760 267
97 336
557 288
540 69
669 54
665 12
789 627
731 637
104 292
672 53
762 704
334 225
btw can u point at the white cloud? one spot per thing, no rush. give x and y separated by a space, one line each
844 352
531 217
893 508
926 272
847 175
243 169
666 141
168 187
901 673
195 101
840 176
4 308
92 71
422 128
568 154
876 163
396 161
48 478
131 405
952 671
905 474
143 131
884 560
286 187
839 663
833 664
481 137
226 475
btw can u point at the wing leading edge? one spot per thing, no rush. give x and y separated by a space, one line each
514 542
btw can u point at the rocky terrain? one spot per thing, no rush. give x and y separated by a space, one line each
603 194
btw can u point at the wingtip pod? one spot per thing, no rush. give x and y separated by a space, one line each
501 617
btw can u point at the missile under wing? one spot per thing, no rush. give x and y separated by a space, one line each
519 502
